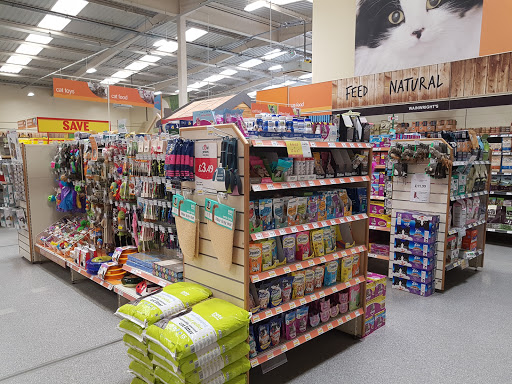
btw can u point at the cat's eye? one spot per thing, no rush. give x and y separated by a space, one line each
396 17
431 4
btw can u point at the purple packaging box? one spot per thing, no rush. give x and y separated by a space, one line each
415 248
378 222
375 306
374 190
379 320
417 275
382 189
416 226
377 209
369 326
382 178
375 177
412 287
418 262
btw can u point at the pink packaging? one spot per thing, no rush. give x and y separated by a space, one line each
382 189
382 178
383 156
375 178
378 222
369 326
377 209
379 305
343 307
370 310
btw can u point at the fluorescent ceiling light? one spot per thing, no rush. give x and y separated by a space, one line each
166 45
158 93
194 33
214 78
28 49
150 58
110 81
30 94
198 84
306 76
137 66
275 67
123 74
273 54
20 60
250 63
228 72
38 39
252 94
255 5
69 7
52 22
9 68
91 70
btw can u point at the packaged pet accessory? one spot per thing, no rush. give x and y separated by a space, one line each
255 258
355 265
263 336
302 210
267 223
354 294
252 342
298 285
301 317
317 242
309 281
280 218
289 248
330 274
290 329
264 296
292 212
319 276
275 330
329 240
346 269
275 294
286 288
172 299
303 250
267 260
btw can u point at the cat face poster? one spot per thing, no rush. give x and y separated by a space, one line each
399 34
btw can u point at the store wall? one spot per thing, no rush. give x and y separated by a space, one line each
334 28
16 105
466 118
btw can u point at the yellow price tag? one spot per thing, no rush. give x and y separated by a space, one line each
294 148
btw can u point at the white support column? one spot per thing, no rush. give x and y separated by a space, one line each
182 62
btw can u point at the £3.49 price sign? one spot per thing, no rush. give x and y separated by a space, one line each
205 164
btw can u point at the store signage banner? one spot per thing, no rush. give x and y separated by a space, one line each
205 166
264 108
53 125
311 98
32 123
393 35
273 96
22 124
94 91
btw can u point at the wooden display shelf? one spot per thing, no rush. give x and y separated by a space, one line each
306 227
377 256
497 230
468 195
305 337
308 183
381 198
459 262
453 231
306 299
382 229
147 276
306 264
312 144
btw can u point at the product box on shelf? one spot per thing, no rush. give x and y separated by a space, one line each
416 226
375 286
369 326
380 320
415 248
412 286
418 262
413 274
375 306
382 221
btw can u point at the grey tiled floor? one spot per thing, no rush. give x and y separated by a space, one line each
54 332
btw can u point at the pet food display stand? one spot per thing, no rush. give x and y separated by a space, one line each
439 204
234 284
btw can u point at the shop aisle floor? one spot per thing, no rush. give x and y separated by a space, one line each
52 331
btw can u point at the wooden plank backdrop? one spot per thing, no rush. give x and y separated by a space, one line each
489 75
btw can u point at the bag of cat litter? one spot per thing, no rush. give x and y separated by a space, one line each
147 360
172 299
206 323
136 380
202 357
221 376
132 342
142 372
132 329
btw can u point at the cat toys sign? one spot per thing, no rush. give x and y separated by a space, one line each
205 166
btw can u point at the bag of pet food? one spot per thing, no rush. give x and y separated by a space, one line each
132 329
146 360
223 347
142 372
206 323
172 299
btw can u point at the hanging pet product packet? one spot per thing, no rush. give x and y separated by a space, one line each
187 226
220 220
